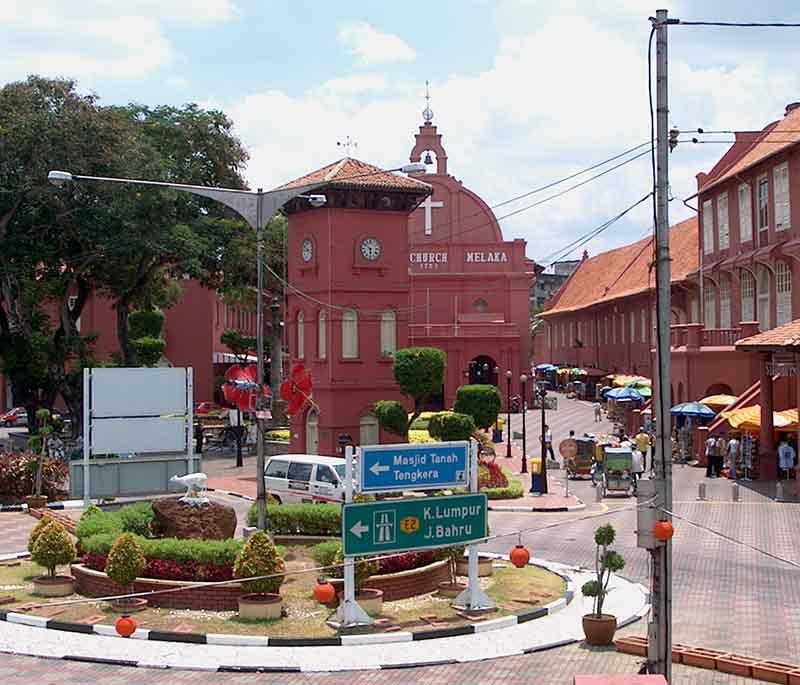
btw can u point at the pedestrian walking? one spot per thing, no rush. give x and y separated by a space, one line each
548 442
733 456
598 412
637 467
642 440
786 456
711 457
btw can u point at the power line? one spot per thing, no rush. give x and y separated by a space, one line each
738 24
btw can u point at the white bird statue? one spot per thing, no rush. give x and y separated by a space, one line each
195 484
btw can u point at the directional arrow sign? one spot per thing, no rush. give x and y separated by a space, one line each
400 525
388 468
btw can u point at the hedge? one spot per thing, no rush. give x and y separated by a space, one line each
133 518
301 519
18 472
481 402
214 552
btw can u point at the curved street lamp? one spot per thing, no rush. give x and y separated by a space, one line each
523 379
508 410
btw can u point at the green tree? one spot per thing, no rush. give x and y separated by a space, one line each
419 371
240 345
606 562
260 557
125 561
448 425
481 402
53 548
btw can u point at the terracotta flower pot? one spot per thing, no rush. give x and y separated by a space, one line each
451 590
599 631
60 586
36 501
260 606
484 567
369 599
129 605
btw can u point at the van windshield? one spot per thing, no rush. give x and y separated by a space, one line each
339 468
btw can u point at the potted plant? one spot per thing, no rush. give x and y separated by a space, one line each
451 588
598 627
125 564
260 557
51 547
38 444
369 599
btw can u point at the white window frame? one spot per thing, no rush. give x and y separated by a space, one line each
747 291
783 293
780 179
369 431
763 202
579 334
724 302
763 297
643 331
723 228
349 334
632 327
745 195
301 335
388 333
709 306
708 227
322 334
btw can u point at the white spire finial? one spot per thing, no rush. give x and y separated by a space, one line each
427 113
348 144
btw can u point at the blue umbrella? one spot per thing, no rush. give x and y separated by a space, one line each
545 367
692 409
631 394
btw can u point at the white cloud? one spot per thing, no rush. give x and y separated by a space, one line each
97 38
373 47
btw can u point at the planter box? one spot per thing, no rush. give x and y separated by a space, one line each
678 650
736 665
404 584
794 677
632 644
484 567
701 658
773 671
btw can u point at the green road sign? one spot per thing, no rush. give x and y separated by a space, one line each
393 526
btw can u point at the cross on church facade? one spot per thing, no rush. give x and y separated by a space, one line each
429 206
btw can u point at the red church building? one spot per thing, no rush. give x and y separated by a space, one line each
393 261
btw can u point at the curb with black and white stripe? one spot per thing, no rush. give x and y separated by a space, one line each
342 640
540 510
55 506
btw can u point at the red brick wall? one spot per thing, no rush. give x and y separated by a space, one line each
214 598
406 583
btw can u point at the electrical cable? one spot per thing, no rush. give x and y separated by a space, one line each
737 24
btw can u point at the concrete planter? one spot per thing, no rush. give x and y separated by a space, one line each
259 606
794 677
36 501
484 567
129 605
451 590
60 586
736 665
599 631
369 600
772 671
701 658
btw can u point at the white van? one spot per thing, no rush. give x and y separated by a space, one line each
292 478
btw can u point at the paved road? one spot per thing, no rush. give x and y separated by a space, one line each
725 596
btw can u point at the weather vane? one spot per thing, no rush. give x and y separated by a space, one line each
348 144
427 113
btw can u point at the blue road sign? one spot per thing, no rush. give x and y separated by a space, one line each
388 468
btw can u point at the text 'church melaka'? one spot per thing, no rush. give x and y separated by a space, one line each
393 261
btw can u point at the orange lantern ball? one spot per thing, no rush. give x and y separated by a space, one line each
126 626
520 556
663 530
324 592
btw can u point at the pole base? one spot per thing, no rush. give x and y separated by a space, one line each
473 599
350 614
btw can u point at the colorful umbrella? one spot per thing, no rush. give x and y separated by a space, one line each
749 418
718 401
692 409
545 367
645 391
577 372
639 382
630 394
240 387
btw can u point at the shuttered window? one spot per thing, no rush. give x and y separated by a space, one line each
350 334
748 289
780 176
745 213
723 232
783 291
301 335
708 227
388 333
710 306
724 302
322 335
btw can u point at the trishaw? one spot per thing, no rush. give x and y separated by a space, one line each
581 463
617 475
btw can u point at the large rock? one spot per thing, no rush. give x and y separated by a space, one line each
211 521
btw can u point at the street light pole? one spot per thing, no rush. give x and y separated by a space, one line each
542 392
523 379
508 410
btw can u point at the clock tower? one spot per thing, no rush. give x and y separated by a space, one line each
348 297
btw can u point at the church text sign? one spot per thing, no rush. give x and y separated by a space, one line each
488 257
427 260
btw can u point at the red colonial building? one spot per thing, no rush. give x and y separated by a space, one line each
392 261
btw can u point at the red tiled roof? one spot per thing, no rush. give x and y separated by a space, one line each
784 336
771 140
625 271
353 173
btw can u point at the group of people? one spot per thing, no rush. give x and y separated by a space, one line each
721 452
640 446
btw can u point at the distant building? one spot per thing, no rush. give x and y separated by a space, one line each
548 282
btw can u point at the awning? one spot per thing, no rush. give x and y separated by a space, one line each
228 358
749 418
719 401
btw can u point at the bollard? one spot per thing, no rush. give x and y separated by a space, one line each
701 491
566 482
598 493
735 491
779 490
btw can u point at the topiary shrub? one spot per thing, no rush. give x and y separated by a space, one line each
301 519
420 437
125 561
145 323
37 531
260 557
481 402
149 350
324 553
451 426
53 548
136 518
364 568
392 416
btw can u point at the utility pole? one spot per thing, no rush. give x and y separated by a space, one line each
659 650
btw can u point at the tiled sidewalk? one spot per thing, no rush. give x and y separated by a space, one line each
14 531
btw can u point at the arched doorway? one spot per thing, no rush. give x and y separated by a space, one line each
481 370
719 389
312 432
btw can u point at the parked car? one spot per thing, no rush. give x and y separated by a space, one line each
206 408
292 478
18 416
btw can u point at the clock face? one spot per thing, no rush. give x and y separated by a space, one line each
308 250
370 249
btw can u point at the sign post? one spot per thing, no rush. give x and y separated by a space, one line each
349 612
473 598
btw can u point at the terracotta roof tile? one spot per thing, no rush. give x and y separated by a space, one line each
772 139
787 335
625 271
353 173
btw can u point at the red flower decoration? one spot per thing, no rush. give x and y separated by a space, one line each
241 388
296 390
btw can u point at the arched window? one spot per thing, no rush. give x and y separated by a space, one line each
763 298
312 432
388 334
481 306
709 306
783 293
350 334
748 288
368 430
724 302
301 335
322 334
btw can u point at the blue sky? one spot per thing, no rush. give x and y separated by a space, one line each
524 91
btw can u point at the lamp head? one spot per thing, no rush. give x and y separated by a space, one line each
59 178
509 374
317 200
523 379
413 168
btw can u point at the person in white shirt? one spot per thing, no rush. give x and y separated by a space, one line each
637 466
711 457
598 412
733 456
786 456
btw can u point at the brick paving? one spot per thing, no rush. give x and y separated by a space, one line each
15 527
